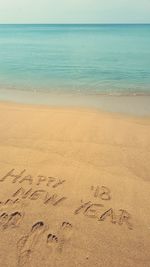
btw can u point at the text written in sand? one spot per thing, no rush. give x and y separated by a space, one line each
100 213
23 177
88 208
45 189
35 190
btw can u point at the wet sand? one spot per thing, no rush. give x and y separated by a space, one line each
130 104
74 187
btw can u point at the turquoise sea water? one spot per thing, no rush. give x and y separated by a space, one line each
91 59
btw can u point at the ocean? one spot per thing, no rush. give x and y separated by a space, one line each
76 59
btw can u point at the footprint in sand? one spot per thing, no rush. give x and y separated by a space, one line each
63 235
26 244
52 238
52 241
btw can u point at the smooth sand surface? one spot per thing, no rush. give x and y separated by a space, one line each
74 188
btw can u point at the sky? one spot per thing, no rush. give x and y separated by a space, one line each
74 11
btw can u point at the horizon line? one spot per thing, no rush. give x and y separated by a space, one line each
92 23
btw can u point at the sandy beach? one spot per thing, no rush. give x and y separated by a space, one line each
74 187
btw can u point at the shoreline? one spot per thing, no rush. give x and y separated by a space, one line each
134 105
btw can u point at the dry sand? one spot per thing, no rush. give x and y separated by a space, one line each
74 188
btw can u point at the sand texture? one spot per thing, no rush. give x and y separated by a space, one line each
74 188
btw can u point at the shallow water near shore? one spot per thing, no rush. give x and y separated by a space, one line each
86 59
